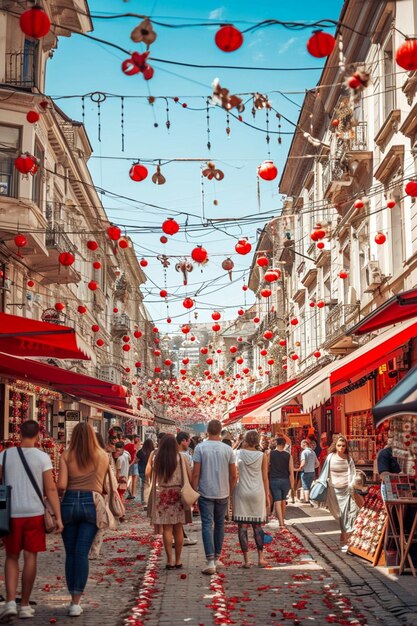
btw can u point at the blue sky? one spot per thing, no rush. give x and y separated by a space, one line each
80 66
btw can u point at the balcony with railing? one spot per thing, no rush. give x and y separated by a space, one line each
120 325
57 241
339 319
21 66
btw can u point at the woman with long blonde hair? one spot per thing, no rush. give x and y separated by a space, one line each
82 470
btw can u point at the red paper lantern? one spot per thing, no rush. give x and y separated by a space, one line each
188 303
157 352
263 352
243 246
321 44
163 293
391 203
25 163
359 204
199 255
228 38
245 287
92 285
320 245
317 354
411 188
266 293
123 243
312 304
115 310
30 283
294 321
215 327
143 262
271 361
125 338
100 343
354 81
282 342
183 371
216 316
138 172
126 347
343 275
185 329
239 361
95 328
163 239
272 275
82 309
66 259
92 245
233 349
32 117
186 361
97 265
20 241
114 233
380 238
268 334
406 55
294 357
256 320
157 370
138 364
241 312
35 23
267 170
170 226
137 334
168 362
321 304
59 306
204 350
262 261
209 361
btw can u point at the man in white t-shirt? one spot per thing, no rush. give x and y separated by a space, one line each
214 476
27 516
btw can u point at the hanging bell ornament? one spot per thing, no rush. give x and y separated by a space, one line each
144 32
228 265
158 178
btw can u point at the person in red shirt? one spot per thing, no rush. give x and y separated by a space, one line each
132 445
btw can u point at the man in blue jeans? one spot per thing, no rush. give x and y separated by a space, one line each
214 476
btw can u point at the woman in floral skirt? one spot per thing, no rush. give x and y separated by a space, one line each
164 506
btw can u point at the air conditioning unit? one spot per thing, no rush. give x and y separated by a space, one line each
374 276
37 298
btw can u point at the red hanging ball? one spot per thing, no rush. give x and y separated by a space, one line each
272 275
320 245
411 188
92 285
59 306
138 172
239 361
268 334
24 163
391 203
155 330
32 117
115 310
126 347
100 342
321 44
266 293
66 259
241 312
199 255
343 275
282 342
216 327
82 309
321 304
245 287
185 329
294 357
263 352
138 364
216 316
20 241
114 233
92 245
406 55
271 361
209 361
163 239
123 243
228 38
262 261
170 226
294 321
95 328
35 23
126 338
168 362
380 238
317 354
188 303
30 283
243 246
256 320
233 349
137 334
267 170
163 293
143 263
97 265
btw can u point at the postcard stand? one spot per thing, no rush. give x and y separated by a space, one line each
367 539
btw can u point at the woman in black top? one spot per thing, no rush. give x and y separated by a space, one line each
281 478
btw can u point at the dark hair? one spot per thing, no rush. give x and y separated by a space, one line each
252 438
130 437
166 458
342 438
214 427
147 448
182 436
119 445
228 442
160 436
100 440
29 429
280 441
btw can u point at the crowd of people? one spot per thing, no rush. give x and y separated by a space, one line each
246 478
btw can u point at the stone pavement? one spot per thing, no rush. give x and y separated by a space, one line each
308 581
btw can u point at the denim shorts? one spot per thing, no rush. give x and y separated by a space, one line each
279 488
133 470
307 480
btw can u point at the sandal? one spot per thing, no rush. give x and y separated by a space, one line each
167 566
247 565
179 566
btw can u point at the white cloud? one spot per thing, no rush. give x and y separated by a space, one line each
216 14
287 44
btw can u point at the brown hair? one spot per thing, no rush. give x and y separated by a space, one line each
84 447
29 429
334 442
166 458
214 427
252 438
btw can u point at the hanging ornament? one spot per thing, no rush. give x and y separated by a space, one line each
359 80
262 261
222 97
204 350
243 246
137 334
215 327
20 241
137 64
228 265
245 288
184 267
81 309
32 117
170 226
199 255
320 245
241 312
158 178
188 303
30 284
411 188
272 275
123 243
35 23
321 44
92 285
95 328
271 361
143 263
267 170
266 293
216 316
163 293
126 347
163 239
294 357
59 306
256 320
185 329
380 238
263 352
406 55
211 172
66 259
26 164
282 342
114 233
294 321
321 304
343 274
228 38
97 265
391 203
168 362
317 354
144 32
138 172
100 343
268 334
92 245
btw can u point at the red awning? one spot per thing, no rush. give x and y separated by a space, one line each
65 381
253 402
22 336
401 307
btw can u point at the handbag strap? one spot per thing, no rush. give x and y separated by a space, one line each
183 473
30 476
3 475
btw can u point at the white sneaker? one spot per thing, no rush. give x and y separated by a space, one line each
189 542
26 612
9 611
210 569
218 563
344 548
75 610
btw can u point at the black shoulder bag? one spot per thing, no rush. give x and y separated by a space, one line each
49 515
5 502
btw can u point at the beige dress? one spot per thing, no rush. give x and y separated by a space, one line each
165 506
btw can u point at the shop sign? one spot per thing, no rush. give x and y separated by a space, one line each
72 416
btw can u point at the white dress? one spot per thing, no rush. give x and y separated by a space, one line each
249 494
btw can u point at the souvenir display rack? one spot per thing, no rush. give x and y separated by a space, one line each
368 534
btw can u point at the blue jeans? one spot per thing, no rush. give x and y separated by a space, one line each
307 480
79 518
212 514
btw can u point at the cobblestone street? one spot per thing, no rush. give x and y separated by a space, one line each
308 581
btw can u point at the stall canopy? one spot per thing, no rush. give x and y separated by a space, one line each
401 399
401 307
336 376
21 336
65 381
248 405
